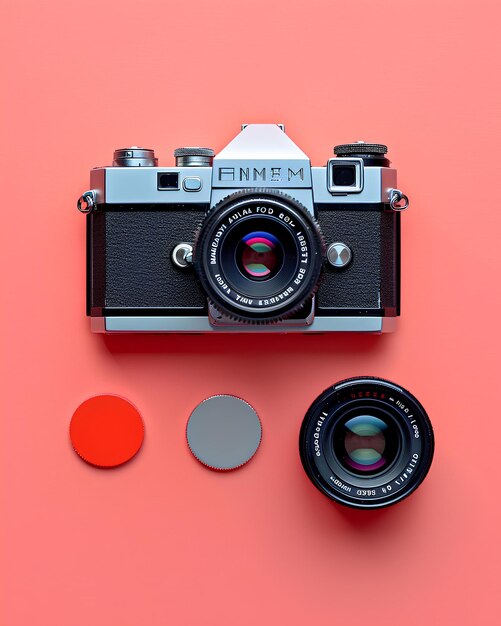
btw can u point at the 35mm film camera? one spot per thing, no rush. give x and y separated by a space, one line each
251 239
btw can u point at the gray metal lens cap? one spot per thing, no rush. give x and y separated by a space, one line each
223 432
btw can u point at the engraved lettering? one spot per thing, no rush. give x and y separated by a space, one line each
226 173
275 174
299 173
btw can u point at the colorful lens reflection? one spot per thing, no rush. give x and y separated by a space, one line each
260 254
364 443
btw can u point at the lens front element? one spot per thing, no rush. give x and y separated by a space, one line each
366 444
260 255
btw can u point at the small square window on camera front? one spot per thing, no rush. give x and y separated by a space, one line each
167 180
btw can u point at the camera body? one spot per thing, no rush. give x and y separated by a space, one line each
157 235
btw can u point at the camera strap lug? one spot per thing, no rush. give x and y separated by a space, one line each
87 201
396 196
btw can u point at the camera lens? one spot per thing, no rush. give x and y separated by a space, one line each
366 443
258 256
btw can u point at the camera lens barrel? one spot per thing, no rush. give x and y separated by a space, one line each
258 255
366 443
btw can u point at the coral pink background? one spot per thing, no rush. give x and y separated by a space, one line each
163 540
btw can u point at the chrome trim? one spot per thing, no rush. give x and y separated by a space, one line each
337 190
377 181
129 185
201 324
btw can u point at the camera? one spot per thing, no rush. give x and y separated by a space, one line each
251 239
366 443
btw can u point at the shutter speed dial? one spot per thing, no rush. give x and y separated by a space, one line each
373 154
360 147
194 157
134 156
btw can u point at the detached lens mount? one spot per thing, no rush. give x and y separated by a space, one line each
366 443
258 256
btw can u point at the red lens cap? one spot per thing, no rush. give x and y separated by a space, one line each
106 431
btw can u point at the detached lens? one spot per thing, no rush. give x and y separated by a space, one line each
366 443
